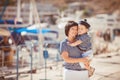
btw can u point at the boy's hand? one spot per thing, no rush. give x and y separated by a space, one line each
71 44
76 43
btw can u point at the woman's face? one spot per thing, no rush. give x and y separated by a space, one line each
73 32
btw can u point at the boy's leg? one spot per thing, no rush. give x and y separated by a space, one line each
82 65
89 68
91 72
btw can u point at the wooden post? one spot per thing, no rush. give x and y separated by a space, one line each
31 15
18 8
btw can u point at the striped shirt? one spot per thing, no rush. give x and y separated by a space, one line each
86 42
73 52
86 45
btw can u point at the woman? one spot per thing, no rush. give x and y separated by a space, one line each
71 55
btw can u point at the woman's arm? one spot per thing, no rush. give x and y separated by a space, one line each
67 59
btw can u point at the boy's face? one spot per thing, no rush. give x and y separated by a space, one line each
82 29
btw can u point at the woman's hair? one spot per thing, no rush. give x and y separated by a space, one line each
85 23
69 25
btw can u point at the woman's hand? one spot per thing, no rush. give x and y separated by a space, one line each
66 58
85 61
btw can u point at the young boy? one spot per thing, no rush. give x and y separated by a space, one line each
83 42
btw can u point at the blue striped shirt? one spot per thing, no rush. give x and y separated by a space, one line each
73 52
86 45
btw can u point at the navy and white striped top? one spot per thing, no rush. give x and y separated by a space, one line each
73 52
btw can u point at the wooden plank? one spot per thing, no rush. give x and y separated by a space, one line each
13 71
13 25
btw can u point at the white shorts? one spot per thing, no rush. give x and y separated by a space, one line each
75 75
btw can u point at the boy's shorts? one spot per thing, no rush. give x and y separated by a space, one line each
88 54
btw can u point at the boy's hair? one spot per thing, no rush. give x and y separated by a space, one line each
69 25
85 23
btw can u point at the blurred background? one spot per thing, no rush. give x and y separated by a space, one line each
37 25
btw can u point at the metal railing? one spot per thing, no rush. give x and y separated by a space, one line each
26 60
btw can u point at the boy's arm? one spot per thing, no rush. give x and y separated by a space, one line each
76 43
